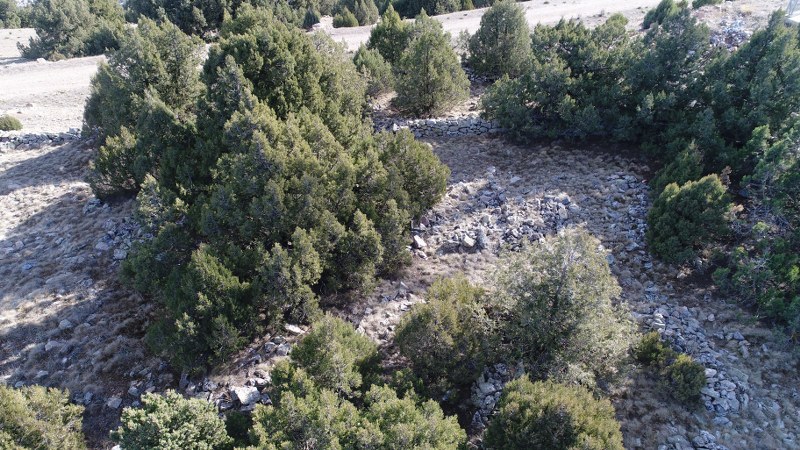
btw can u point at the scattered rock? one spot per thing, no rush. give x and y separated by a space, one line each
114 402
283 349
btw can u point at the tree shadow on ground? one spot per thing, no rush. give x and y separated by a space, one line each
65 163
66 321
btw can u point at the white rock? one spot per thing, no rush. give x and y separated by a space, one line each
419 242
468 242
486 388
65 325
294 329
246 395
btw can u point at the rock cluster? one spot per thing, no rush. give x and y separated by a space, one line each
119 234
23 141
453 126
730 35
486 392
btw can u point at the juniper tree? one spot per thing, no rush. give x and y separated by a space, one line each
69 28
685 217
502 44
556 304
390 36
39 417
429 78
546 415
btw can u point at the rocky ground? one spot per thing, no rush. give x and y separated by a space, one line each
500 196
65 320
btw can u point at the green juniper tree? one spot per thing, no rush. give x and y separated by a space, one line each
448 338
261 184
687 216
70 28
170 421
390 36
429 78
546 415
556 301
502 44
35 417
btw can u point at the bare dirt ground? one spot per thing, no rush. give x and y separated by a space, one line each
66 321
44 96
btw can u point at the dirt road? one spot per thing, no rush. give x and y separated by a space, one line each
44 96
536 11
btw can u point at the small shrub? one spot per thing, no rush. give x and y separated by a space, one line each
170 421
651 351
700 3
35 417
684 378
429 78
547 415
681 376
336 356
448 338
664 10
311 18
687 166
684 217
502 44
9 123
377 71
345 19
